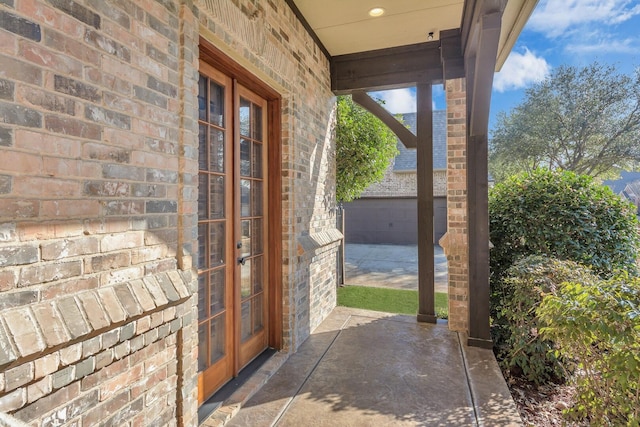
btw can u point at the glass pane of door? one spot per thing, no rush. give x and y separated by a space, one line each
215 233
251 210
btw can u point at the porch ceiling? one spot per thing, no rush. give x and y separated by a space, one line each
345 27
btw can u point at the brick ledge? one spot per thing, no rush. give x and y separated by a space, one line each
31 331
315 241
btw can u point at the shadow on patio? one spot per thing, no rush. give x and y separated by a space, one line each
363 368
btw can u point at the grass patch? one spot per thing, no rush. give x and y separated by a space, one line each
399 301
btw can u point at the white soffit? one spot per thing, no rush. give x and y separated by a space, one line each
344 26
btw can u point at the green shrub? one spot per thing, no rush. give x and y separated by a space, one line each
524 352
598 326
562 215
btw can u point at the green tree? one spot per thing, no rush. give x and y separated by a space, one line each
586 120
364 148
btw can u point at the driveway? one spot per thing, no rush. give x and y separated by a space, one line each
390 266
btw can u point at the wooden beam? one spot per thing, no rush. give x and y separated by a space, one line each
480 60
485 63
478 214
424 130
389 68
368 103
451 54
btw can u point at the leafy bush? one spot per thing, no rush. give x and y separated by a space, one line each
562 215
524 352
364 149
598 326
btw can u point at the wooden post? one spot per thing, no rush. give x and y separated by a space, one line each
424 131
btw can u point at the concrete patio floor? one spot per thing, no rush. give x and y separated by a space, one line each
364 368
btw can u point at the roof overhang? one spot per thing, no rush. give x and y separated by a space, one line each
344 27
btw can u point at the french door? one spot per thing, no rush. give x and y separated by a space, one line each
232 257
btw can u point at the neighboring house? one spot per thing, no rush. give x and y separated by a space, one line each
627 186
167 186
387 211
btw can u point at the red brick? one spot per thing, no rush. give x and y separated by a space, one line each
125 105
23 327
54 166
51 324
70 287
161 390
114 83
96 415
112 305
101 226
15 69
8 279
73 317
70 354
158 360
120 382
32 186
46 143
148 253
18 376
14 400
119 276
49 101
49 402
156 291
14 209
14 161
142 295
96 315
52 17
69 248
72 47
39 389
123 70
104 374
8 43
68 126
46 365
50 272
69 208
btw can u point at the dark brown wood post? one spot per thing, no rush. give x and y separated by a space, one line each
478 214
424 131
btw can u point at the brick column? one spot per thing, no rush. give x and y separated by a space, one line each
187 337
455 241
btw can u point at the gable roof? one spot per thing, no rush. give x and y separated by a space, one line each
618 185
406 159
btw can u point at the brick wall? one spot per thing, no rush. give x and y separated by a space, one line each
455 242
98 198
265 38
405 184
97 313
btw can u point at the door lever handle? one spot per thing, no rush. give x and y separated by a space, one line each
242 260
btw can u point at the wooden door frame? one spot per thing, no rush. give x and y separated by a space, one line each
216 58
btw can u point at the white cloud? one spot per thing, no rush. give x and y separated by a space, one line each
397 101
555 18
520 70
628 46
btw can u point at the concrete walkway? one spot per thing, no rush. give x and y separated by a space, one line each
363 368
390 266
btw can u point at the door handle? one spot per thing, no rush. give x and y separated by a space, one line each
242 260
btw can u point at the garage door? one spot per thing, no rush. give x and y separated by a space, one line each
390 221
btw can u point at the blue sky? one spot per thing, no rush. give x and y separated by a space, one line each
570 32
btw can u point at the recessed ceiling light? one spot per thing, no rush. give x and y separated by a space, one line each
376 11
